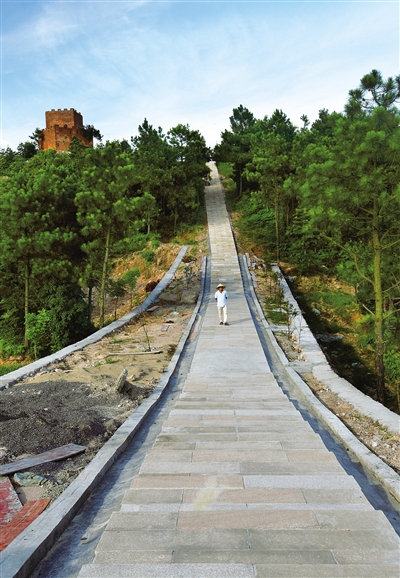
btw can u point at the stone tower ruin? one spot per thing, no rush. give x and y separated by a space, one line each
61 126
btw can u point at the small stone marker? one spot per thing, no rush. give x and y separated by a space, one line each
121 380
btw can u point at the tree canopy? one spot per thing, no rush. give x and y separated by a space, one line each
332 190
63 216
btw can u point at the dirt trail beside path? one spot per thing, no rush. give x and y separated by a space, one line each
76 400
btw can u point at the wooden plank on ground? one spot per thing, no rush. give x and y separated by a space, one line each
50 456
27 514
10 504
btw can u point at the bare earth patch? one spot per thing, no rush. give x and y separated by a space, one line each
76 400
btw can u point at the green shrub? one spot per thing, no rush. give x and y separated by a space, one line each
149 255
256 222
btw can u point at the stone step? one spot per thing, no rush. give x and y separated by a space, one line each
327 571
313 471
249 498
167 571
242 455
204 518
301 437
127 508
264 427
237 571
193 541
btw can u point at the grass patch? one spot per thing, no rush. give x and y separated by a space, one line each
333 311
225 170
275 312
189 235
4 369
226 175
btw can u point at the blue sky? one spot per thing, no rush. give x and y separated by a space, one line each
118 62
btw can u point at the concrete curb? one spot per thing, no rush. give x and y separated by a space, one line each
20 558
384 473
29 370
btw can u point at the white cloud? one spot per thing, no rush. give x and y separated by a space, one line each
118 62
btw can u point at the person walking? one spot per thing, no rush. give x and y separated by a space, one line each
221 297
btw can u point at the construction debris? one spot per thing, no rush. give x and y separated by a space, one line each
50 456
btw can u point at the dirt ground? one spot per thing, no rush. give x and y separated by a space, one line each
76 400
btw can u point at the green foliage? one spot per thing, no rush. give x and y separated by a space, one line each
171 170
275 311
11 331
146 207
7 160
105 208
306 247
130 279
26 150
392 367
347 355
116 289
256 221
4 369
149 255
38 229
131 244
225 170
236 144
62 321
372 92
38 331
67 310
90 132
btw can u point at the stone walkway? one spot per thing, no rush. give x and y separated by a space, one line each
237 483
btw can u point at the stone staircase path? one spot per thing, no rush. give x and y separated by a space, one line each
237 483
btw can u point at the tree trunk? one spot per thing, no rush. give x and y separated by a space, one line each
90 298
26 304
104 276
379 342
278 255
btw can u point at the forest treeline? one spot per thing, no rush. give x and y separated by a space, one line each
64 216
326 197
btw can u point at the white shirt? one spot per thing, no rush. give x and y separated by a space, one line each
221 297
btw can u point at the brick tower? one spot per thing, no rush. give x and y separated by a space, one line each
61 126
